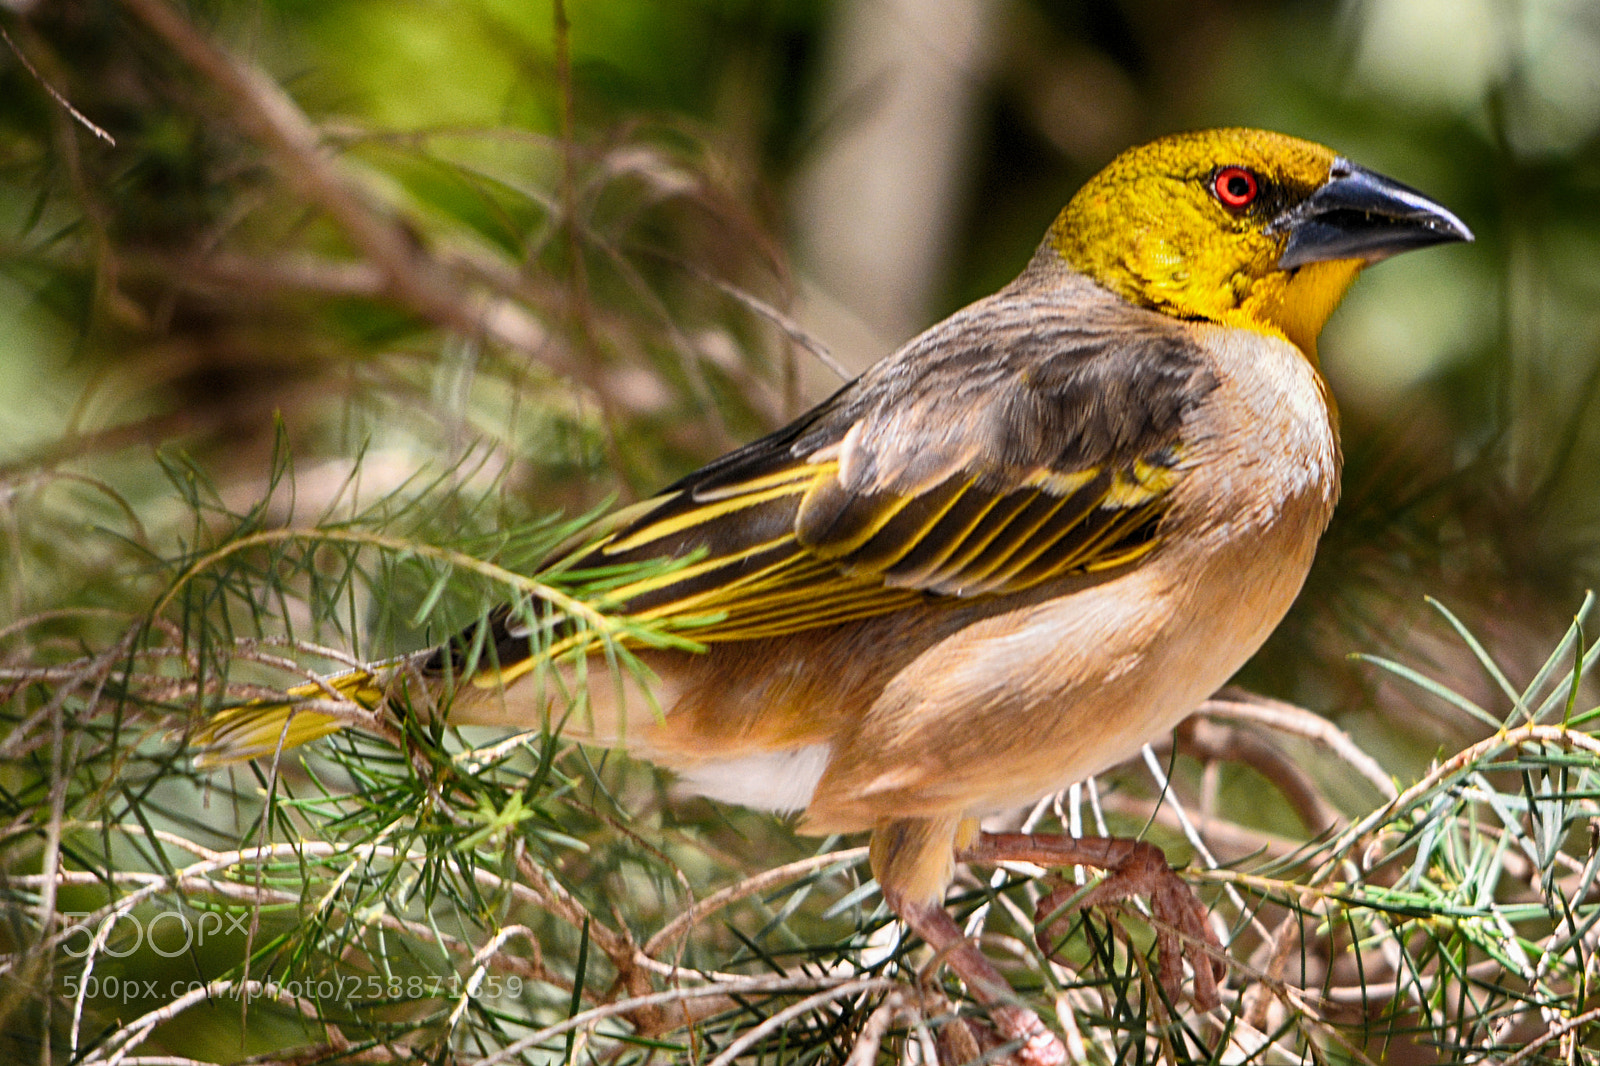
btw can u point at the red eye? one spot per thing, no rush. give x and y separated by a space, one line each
1236 187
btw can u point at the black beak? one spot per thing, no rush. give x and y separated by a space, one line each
1358 214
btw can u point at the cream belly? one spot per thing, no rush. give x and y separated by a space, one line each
1028 706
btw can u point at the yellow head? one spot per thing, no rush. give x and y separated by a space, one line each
1242 227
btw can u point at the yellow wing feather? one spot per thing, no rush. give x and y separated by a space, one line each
263 728
887 551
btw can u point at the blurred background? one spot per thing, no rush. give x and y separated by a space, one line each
581 288
565 254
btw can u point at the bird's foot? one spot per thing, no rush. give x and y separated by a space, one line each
1040 1047
1133 868
1034 1043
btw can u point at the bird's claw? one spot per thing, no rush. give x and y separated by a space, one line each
1029 1040
1179 917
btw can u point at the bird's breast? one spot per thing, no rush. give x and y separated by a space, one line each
1264 450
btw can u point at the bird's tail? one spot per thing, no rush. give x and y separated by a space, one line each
262 728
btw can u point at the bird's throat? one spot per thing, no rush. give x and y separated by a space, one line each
1295 304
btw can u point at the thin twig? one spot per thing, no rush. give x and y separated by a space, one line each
777 1021
55 94
749 887
747 987
1288 718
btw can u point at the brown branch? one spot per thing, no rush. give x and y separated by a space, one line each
1213 742
412 276
619 947
681 925
1286 717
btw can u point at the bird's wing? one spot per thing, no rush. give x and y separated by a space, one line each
1015 443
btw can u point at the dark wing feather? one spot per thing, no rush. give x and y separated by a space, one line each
1034 435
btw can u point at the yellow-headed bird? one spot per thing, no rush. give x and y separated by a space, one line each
1006 556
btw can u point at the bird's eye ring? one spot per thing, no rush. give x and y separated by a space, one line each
1236 187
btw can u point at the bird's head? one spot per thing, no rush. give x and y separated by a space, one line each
1242 227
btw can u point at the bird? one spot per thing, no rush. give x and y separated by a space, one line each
1001 560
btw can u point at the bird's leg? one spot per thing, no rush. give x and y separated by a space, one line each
1133 868
930 921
